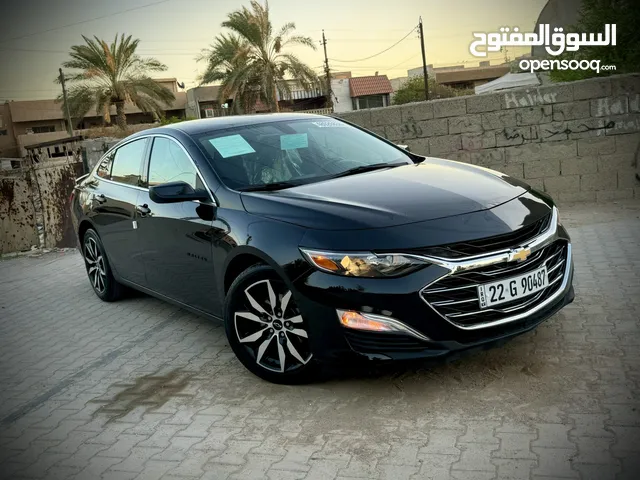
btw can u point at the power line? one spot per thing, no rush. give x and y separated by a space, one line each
83 21
404 61
379 53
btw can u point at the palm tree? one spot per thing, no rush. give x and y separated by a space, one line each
252 63
112 75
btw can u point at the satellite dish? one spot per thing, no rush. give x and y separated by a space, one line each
181 85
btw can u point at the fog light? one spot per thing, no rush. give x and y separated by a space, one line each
376 323
363 321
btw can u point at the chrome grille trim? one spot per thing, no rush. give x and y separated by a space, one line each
502 257
452 302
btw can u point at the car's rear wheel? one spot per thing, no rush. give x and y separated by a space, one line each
100 275
266 329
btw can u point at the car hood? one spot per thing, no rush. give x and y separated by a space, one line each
396 196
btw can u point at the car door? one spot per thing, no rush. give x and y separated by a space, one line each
113 199
176 238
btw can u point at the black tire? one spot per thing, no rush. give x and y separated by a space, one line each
259 334
98 269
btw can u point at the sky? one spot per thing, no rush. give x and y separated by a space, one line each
36 34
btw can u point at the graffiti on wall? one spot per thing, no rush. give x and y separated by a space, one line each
529 99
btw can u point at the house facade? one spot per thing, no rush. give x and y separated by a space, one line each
22 119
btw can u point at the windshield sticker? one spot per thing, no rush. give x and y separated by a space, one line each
293 141
330 124
231 146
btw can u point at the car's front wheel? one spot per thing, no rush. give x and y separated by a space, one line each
266 329
98 268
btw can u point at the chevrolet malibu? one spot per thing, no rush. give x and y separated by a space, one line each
311 238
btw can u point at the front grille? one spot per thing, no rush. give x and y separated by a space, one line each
455 296
489 244
379 342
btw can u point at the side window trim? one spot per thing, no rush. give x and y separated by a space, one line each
193 163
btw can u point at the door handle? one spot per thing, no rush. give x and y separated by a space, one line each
100 198
143 209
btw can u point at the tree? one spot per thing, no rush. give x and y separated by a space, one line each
252 63
112 75
412 90
625 55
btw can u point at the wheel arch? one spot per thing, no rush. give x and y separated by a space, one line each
85 225
243 258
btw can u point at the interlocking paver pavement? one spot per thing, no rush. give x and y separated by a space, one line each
141 389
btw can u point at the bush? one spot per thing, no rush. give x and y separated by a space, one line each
413 91
174 119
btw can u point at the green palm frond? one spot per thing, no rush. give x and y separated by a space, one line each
251 63
105 74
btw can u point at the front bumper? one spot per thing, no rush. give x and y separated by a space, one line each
322 293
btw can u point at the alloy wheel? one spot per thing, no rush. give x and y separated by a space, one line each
95 265
271 327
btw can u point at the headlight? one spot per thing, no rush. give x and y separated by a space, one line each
557 214
368 265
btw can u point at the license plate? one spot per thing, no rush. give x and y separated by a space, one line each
512 288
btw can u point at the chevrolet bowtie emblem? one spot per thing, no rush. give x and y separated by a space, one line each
519 254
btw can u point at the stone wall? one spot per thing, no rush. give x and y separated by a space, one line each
577 141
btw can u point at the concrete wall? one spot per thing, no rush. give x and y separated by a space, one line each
342 100
96 147
17 225
55 181
576 141
35 138
34 204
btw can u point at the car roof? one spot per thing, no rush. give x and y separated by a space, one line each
195 127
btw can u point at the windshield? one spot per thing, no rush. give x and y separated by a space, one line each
293 152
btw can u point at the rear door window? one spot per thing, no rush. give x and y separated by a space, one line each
127 163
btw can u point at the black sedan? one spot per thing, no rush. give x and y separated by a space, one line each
312 238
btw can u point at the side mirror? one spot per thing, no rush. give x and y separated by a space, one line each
174 192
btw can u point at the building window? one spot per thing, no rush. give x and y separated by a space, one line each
371 101
44 129
3 132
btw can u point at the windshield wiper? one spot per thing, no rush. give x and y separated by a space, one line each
265 187
367 168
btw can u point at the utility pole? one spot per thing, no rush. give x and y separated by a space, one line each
424 62
327 72
66 104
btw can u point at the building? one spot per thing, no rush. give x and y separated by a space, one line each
202 102
472 77
20 119
370 92
456 76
